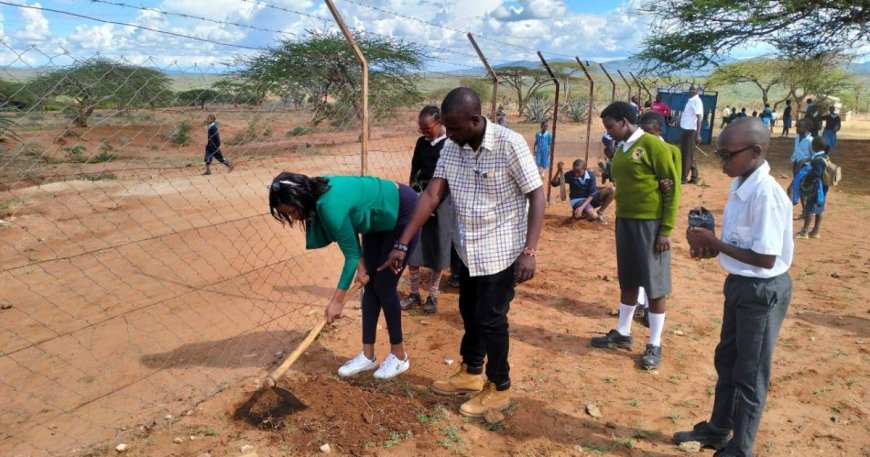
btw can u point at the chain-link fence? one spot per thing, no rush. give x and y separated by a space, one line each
134 287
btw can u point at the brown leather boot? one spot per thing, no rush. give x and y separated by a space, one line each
488 399
459 382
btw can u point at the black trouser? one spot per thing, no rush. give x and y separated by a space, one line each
753 314
380 292
687 153
455 263
484 302
216 155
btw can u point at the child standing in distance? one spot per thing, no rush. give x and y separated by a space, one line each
543 139
803 149
813 190
756 250
644 221
213 146
786 119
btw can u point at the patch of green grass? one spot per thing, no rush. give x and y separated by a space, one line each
609 379
711 390
396 438
837 409
451 437
101 157
203 430
688 404
674 417
625 442
299 131
429 419
633 402
101 176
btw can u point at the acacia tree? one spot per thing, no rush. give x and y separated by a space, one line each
763 73
524 81
691 34
817 77
323 65
97 82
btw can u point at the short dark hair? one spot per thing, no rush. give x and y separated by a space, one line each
819 144
651 118
620 110
579 163
461 99
431 111
298 191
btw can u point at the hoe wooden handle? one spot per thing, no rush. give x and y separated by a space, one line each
273 377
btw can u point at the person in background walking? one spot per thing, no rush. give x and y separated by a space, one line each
812 113
772 119
635 103
690 134
213 146
433 250
766 116
786 119
832 126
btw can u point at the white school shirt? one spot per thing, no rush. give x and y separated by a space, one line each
758 217
689 118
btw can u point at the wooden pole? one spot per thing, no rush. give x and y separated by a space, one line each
555 118
612 84
491 74
364 143
589 115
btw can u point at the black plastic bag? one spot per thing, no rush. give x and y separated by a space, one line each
700 217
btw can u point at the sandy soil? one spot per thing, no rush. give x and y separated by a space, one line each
147 307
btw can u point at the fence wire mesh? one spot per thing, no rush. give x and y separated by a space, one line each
133 286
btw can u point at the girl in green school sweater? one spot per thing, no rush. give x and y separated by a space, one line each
645 218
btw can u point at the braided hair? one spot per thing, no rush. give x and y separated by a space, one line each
298 191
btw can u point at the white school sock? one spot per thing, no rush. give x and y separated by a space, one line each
641 298
656 325
626 314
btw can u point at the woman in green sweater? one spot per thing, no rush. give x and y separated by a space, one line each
645 217
339 209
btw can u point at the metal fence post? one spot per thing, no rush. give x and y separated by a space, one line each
612 83
555 119
491 74
591 102
364 141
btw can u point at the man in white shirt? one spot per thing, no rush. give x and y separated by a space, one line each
756 250
498 197
690 133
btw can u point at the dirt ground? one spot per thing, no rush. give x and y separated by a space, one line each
147 309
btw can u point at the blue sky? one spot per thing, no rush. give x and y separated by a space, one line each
508 30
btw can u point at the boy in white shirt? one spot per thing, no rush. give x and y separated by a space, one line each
756 250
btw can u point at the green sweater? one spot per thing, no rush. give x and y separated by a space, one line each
637 173
352 205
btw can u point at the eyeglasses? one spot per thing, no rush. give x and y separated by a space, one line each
727 155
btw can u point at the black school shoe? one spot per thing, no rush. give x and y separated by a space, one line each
613 339
706 435
652 357
431 305
641 315
412 301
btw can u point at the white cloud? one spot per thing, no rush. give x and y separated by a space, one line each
35 29
525 25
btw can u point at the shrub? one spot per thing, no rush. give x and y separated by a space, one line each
578 109
538 109
181 135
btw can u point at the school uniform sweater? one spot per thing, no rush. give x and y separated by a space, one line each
353 205
637 172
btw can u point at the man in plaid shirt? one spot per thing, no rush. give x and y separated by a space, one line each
499 202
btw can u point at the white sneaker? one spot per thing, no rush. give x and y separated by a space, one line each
357 365
392 367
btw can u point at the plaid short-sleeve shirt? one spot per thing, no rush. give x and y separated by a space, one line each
489 188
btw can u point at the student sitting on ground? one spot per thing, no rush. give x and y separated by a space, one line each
586 199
